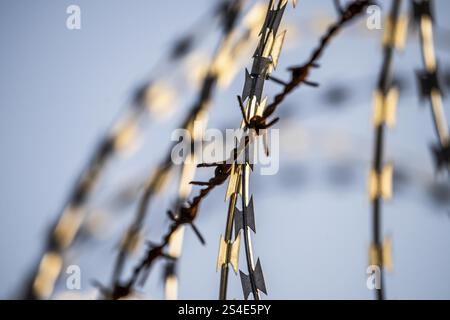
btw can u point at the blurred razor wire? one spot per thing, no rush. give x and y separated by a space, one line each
385 105
123 132
231 47
230 53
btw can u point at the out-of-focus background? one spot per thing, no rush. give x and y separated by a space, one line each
61 89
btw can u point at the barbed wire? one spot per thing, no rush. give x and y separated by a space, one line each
299 76
256 114
226 53
429 81
187 174
254 281
64 231
381 175
188 213
265 60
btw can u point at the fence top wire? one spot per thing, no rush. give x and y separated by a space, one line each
189 211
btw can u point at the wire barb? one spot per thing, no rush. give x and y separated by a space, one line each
253 281
249 213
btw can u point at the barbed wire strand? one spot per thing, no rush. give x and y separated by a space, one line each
187 174
264 61
223 170
64 231
380 178
429 81
299 76
159 177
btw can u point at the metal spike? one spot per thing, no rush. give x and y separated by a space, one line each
386 181
68 224
390 106
441 156
250 215
258 278
253 86
246 284
374 258
258 50
261 106
263 28
259 86
395 33
238 223
248 84
271 25
49 268
373 185
182 46
268 45
276 48
275 16
380 185
234 253
222 257
388 35
401 32
229 253
428 82
385 107
232 184
252 107
382 255
260 65
422 9
266 143
378 108
387 254
198 234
